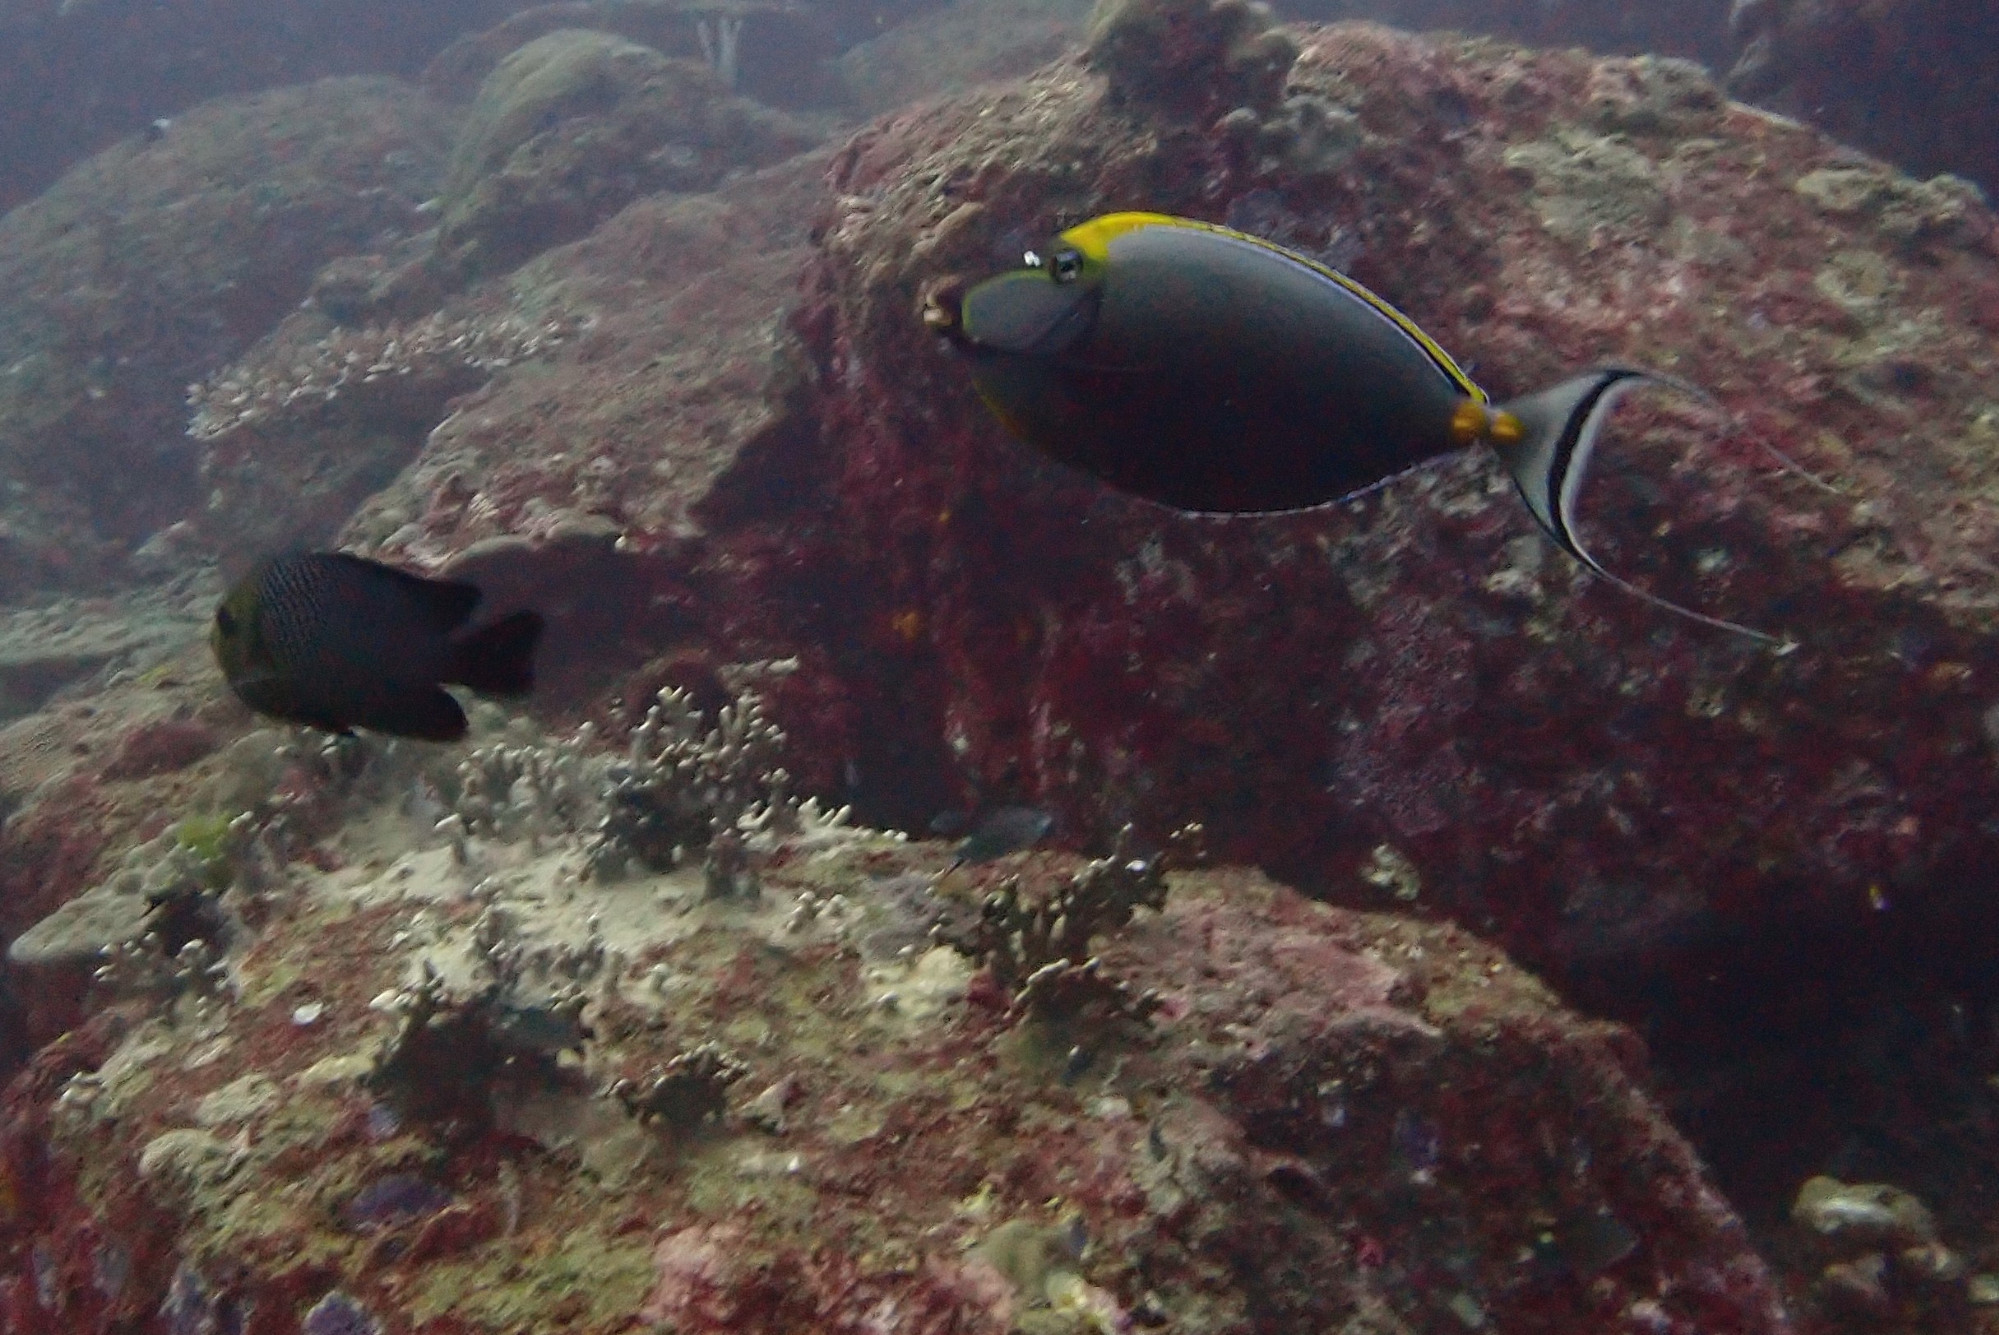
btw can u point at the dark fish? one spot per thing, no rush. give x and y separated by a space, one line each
1208 370
945 824
338 642
1003 831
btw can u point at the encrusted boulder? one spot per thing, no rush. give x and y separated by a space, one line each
769 50
1186 57
573 126
1403 702
1411 691
156 261
949 49
1690 28
473 1087
85 73
1469 724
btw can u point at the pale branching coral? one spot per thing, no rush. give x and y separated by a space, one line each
147 968
721 39
435 355
682 785
1061 989
530 792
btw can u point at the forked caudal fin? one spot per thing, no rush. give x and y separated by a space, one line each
1551 455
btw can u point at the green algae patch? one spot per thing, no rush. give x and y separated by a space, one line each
258 1219
503 1291
725 1183
261 986
304 1120
1585 183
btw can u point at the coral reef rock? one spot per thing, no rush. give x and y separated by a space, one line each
741 1067
949 49
83 73
776 52
1692 28
156 261
1414 680
1470 726
470 1087
573 126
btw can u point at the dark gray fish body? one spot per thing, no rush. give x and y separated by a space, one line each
1006 830
338 642
1214 372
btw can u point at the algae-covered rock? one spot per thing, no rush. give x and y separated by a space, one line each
776 52
83 928
1870 1212
1585 183
1907 212
152 263
950 49
574 126
53 644
1315 1084
80 74
242 1100
186 1161
177 866
1186 57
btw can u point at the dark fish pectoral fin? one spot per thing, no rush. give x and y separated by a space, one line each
498 659
426 713
1551 458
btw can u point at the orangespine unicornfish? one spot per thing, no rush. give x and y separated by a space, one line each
1214 372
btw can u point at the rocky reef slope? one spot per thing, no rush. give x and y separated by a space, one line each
714 431
515 1075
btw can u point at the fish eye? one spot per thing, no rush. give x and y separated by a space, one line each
225 622
1067 265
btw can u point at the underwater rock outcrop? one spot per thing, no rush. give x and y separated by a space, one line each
1692 28
770 50
1468 725
153 263
575 125
83 74
1409 696
459 1083
1405 703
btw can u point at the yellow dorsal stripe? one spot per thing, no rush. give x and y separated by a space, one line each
1093 239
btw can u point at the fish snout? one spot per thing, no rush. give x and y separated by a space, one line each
943 308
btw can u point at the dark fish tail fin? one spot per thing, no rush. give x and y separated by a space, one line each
1549 456
498 659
